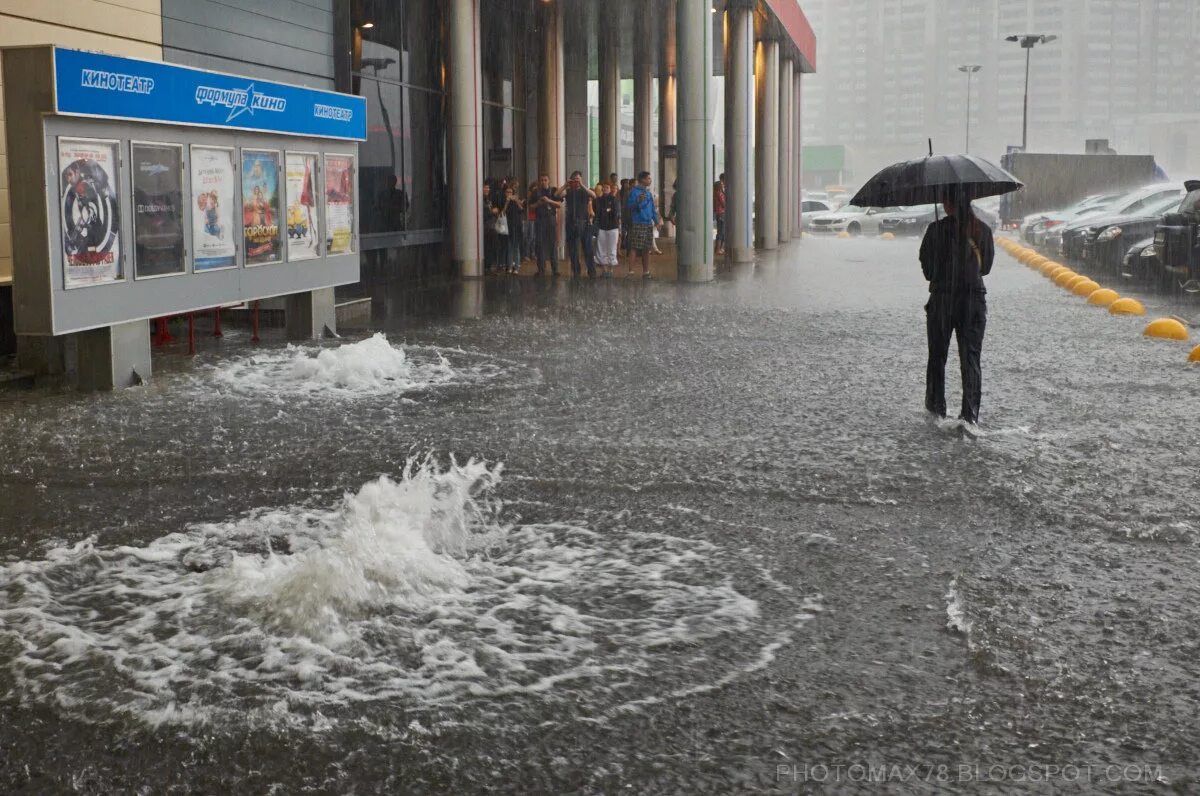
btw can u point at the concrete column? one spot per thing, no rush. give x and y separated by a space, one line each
113 357
787 189
465 140
552 136
695 114
552 156
643 97
766 150
610 93
798 161
739 112
313 314
667 110
575 94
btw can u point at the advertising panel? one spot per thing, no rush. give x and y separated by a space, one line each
91 214
339 204
158 247
110 86
260 207
303 235
213 196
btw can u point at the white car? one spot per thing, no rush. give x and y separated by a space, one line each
852 220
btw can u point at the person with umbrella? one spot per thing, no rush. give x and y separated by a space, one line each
956 254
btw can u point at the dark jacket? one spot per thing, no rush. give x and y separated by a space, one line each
954 262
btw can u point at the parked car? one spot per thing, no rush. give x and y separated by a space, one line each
1073 233
908 220
1141 262
1035 227
1177 241
850 219
1102 247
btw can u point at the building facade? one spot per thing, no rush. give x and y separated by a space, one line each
1120 70
512 76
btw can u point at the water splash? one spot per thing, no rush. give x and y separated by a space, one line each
411 592
373 366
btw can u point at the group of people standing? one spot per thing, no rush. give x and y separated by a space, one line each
599 222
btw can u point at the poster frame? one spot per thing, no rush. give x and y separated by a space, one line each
237 210
319 189
279 195
185 217
354 199
118 172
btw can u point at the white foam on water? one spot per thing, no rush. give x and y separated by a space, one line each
411 591
373 366
956 617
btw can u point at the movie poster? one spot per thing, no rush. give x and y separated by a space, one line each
157 210
91 213
260 207
339 204
301 181
213 233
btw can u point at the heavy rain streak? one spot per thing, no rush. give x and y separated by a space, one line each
829 431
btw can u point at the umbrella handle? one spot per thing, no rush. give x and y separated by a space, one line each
930 147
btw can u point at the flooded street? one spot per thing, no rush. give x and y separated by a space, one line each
616 537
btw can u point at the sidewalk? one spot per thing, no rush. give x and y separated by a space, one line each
664 267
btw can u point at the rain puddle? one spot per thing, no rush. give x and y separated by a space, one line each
415 592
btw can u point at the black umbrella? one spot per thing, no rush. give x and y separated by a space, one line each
930 180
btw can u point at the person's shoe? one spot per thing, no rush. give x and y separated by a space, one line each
647 275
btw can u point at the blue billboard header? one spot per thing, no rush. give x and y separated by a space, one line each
109 86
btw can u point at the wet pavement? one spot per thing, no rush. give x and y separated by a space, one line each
605 537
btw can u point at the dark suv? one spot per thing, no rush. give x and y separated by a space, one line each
1177 239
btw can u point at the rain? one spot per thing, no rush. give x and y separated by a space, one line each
629 530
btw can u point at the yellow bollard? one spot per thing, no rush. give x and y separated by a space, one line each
1126 306
843 234
1055 273
1195 355
1075 280
1166 329
1064 277
1103 297
888 236
1085 288
1038 261
1048 266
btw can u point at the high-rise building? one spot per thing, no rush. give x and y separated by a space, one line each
1120 70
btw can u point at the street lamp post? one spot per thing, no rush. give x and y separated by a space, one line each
970 69
1028 41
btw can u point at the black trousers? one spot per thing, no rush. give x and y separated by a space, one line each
964 316
578 237
547 242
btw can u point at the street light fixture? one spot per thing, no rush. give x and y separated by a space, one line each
970 69
1028 41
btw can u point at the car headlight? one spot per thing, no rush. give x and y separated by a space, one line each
909 221
1112 233
1150 251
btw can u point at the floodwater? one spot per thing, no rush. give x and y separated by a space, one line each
616 537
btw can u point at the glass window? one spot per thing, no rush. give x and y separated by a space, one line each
403 181
401 42
157 209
